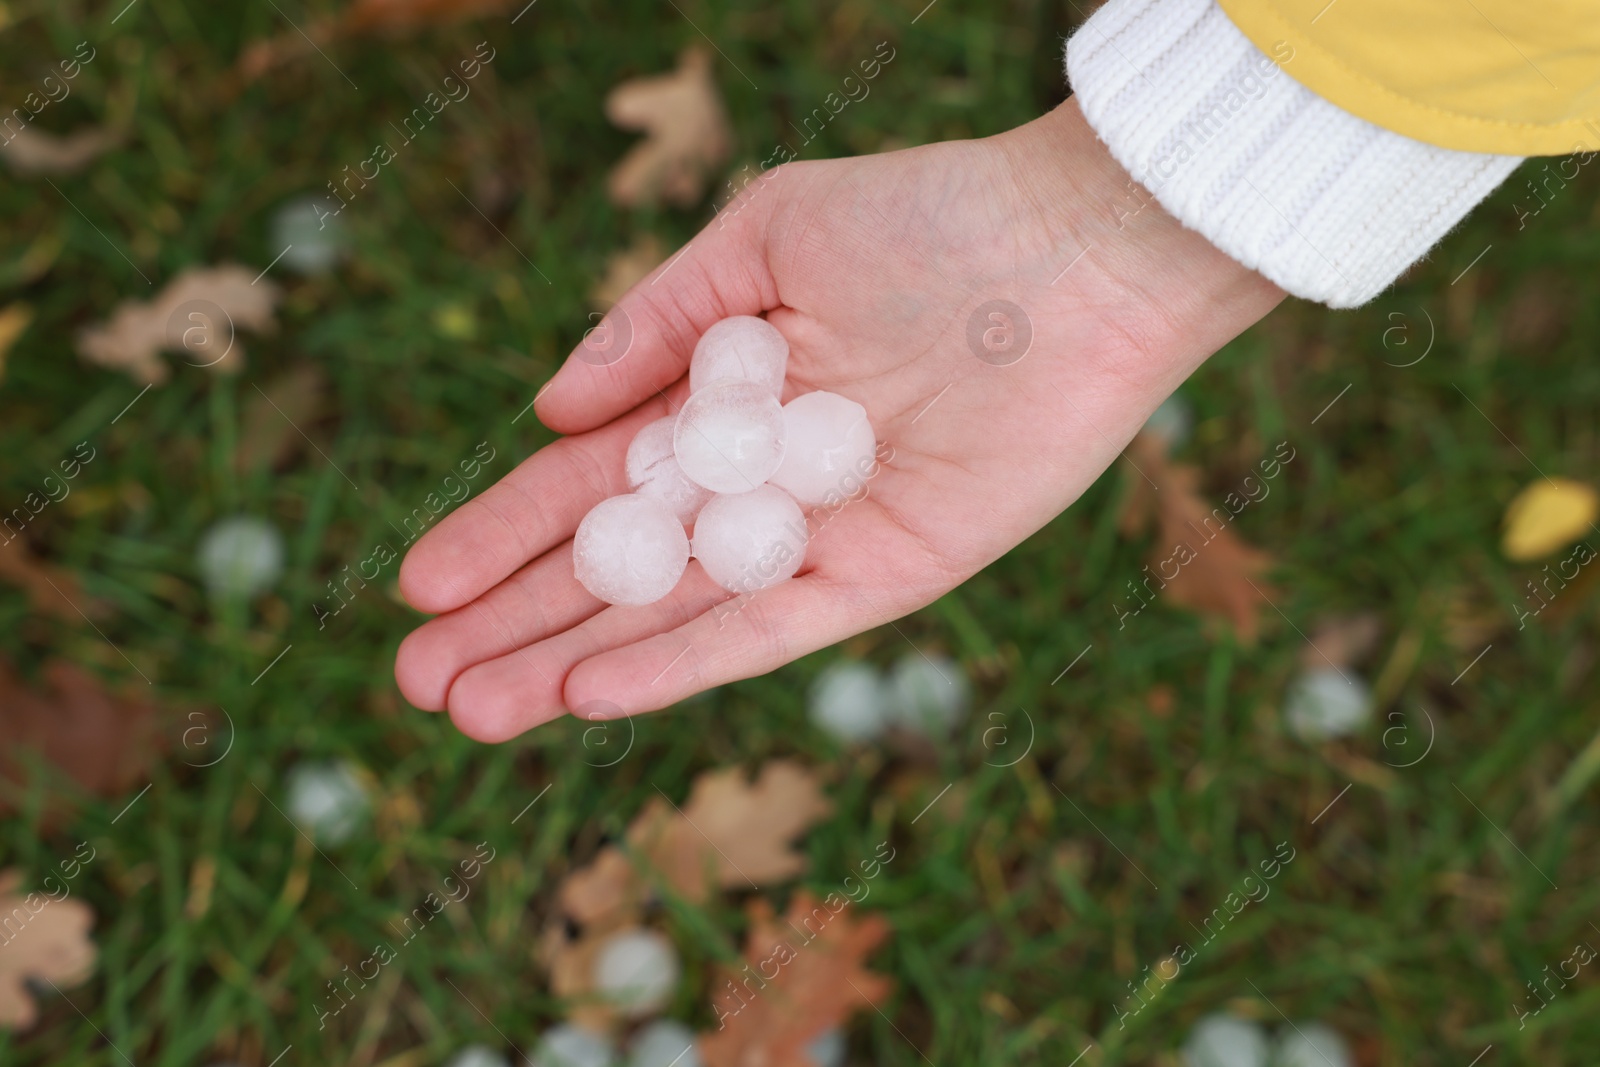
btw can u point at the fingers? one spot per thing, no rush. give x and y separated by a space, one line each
522 516
741 638
502 697
644 343
538 601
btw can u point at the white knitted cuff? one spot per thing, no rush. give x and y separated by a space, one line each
1326 205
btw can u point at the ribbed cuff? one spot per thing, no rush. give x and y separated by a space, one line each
1327 206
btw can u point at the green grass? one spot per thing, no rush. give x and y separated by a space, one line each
1416 907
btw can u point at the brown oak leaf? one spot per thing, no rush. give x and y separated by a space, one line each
569 956
805 973
687 134
198 313
30 151
398 15
51 590
45 938
625 269
103 742
730 832
277 413
1212 570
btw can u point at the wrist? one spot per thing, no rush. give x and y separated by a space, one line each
1171 294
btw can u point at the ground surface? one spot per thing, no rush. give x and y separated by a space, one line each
1416 907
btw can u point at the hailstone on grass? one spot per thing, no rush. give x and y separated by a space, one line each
637 970
828 448
477 1056
827 1049
848 700
327 800
240 556
1324 703
749 541
725 464
1225 1041
1311 1045
928 695
1172 422
308 234
664 1043
653 471
742 347
729 436
630 550
566 1045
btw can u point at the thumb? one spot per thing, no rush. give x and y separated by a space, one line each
643 344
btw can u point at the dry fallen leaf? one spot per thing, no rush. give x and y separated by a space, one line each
30 151
412 14
1341 640
1548 515
274 416
729 833
1214 572
625 269
14 319
569 956
50 943
609 886
51 590
806 975
198 313
362 16
687 134
1466 622
103 742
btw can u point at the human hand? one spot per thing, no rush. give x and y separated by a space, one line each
877 270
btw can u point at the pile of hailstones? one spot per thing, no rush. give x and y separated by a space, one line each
735 465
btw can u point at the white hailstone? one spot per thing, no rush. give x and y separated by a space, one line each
477 1056
637 970
828 448
653 471
566 1045
743 347
729 436
327 800
240 556
828 1048
1172 422
664 1043
1324 703
1311 1045
927 694
312 233
1225 1041
848 701
630 550
749 541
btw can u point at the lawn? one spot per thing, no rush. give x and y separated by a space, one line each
1050 854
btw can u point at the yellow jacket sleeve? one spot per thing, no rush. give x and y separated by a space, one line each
1511 77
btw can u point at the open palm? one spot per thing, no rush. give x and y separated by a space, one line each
1005 310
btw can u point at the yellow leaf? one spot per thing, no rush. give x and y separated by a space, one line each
1547 515
14 318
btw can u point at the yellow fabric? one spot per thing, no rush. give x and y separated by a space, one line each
1510 77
